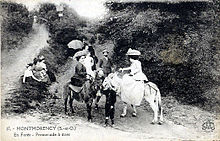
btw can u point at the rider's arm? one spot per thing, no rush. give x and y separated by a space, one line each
124 69
24 78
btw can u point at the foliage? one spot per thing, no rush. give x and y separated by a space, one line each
16 24
179 45
62 29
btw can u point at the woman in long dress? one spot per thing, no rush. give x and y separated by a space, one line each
132 86
88 63
28 74
79 78
90 59
40 70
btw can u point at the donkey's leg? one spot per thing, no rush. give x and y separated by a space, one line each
154 107
97 99
65 96
65 103
161 120
124 110
89 108
71 101
134 114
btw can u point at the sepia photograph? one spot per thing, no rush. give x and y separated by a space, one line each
110 70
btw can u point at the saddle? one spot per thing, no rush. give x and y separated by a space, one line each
75 88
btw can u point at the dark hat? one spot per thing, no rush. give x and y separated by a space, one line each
30 64
105 51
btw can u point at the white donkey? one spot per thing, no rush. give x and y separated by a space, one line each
151 94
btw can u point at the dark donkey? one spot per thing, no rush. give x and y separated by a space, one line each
85 93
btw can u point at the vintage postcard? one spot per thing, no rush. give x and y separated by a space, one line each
96 70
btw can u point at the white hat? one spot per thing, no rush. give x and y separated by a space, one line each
133 52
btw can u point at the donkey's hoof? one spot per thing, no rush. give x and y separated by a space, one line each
160 122
134 115
153 122
89 120
113 125
122 115
106 125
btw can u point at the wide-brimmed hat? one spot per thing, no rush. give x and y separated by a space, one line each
133 52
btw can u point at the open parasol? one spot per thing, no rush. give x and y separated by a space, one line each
75 44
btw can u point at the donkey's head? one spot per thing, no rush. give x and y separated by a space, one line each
111 82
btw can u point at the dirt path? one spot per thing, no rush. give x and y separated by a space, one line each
13 63
51 112
128 127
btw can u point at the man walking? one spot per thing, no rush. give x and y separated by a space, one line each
105 63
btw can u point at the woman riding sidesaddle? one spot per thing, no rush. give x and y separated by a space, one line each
80 75
132 89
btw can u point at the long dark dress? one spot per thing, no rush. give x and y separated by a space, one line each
79 77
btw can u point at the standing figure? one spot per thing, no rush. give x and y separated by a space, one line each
89 62
98 80
105 63
105 68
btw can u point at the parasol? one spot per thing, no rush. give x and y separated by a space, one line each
75 44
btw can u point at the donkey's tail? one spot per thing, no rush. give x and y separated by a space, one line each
157 95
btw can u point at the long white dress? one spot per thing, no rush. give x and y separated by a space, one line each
132 87
88 63
136 71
